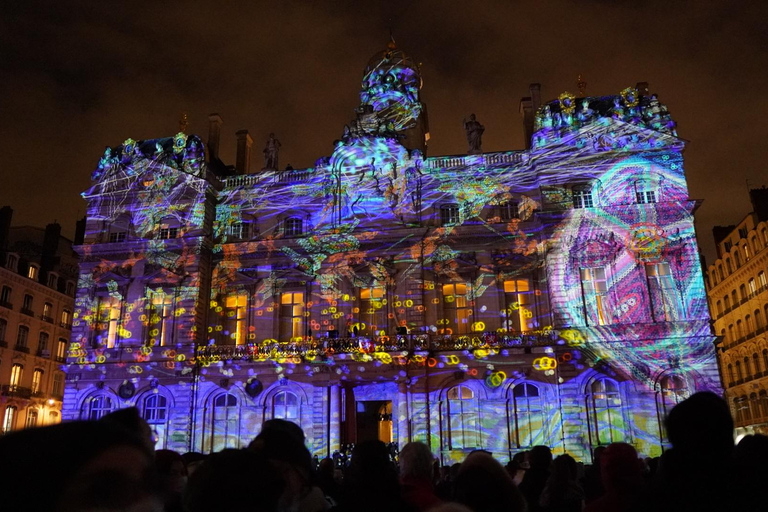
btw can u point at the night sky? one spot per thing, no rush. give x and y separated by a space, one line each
77 76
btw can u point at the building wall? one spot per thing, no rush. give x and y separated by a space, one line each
496 300
738 299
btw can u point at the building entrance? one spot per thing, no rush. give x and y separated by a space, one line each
374 420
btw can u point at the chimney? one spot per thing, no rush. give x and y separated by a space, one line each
50 247
244 143
528 107
642 89
6 214
214 135
759 199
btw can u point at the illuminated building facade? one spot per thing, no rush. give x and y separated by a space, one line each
38 274
738 299
551 295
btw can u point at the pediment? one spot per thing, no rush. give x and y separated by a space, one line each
604 136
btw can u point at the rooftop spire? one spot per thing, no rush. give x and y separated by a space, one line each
183 122
582 86
391 44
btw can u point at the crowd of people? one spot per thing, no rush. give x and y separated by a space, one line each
110 465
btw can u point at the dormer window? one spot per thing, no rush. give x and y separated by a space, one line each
645 193
118 229
116 237
53 280
169 228
449 214
11 261
33 271
582 197
293 226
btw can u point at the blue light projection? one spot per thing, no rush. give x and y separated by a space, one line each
557 291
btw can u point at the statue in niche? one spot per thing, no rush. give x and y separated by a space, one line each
474 132
271 151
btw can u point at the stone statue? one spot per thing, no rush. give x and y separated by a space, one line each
474 134
270 152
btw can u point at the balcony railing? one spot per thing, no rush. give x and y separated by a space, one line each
46 319
16 391
5 304
325 347
66 325
28 312
21 348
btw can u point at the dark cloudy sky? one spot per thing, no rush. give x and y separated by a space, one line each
76 76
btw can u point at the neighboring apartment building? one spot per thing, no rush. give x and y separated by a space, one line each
38 275
738 298
499 300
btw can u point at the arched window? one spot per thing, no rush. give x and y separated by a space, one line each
731 374
673 391
737 258
734 298
462 418
738 415
293 226
720 272
449 214
744 406
763 397
761 281
727 301
719 308
747 253
765 359
225 428
155 412
22 338
739 329
3 329
764 232
529 415
739 375
728 265
756 363
759 319
160 318
752 287
285 405
748 324
236 318
96 407
606 418
743 293
31 418
747 369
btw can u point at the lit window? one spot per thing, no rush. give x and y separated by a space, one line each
463 429
752 287
9 418
238 230
33 271
762 280
61 350
168 233
292 226
719 308
160 318
518 303
155 412
37 380
665 303
225 431
17 371
529 415
372 311
285 405
48 312
236 308
595 296
449 215
582 197
106 330
97 407
66 318
607 420
673 391
747 254
456 308
291 316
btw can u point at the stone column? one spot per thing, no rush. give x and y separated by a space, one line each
402 417
334 442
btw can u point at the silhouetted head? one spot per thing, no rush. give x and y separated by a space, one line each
483 485
620 467
416 461
540 457
701 427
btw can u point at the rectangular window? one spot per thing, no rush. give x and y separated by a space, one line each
449 215
32 272
160 319
22 338
595 296
238 230
26 306
665 305
644 192
518 304
42 343
66 318
107 321
9 418
582 197
293 226
61 350
167 233
17 371
37 380
58 384
52 280
752 287
236 319
372 311
48 312
456 308
291 316
508 211
31 418
5 296
117 237
762 280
